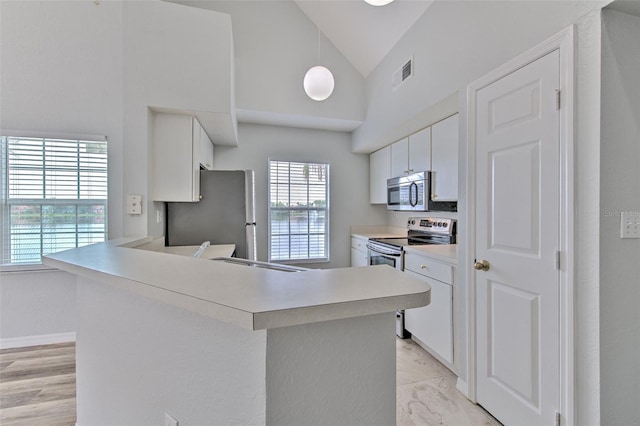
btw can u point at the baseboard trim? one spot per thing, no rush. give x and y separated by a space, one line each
43 339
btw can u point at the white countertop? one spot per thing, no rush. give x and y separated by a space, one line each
253 298
375 231
444 252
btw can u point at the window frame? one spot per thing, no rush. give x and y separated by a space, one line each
5 203
326 209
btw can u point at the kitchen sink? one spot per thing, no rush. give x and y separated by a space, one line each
258 264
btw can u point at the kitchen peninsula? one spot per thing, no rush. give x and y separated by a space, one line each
206 342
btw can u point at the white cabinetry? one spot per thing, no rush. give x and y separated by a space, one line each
432 325
180 148
444 159
411 154
359 253
379 172
206 146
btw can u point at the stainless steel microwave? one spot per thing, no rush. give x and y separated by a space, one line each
413 193
408 192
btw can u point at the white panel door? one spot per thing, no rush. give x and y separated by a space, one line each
517 232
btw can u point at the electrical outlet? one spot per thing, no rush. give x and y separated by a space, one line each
630 225
134 204
169 420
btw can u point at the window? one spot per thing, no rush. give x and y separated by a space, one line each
53 196
298 211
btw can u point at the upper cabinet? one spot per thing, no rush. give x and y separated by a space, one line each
433 148
411 154
379 172
444 159
420 151
181 148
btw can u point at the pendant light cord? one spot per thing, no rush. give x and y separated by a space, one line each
318 45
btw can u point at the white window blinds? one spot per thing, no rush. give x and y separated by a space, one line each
298 211
53 195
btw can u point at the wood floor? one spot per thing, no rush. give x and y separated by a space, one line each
37 387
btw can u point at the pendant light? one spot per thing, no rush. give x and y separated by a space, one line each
378 2
318 82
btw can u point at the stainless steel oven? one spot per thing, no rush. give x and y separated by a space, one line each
420 231
383 254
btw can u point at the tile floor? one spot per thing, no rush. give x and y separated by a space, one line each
427 394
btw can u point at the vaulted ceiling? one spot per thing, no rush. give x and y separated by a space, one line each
364 34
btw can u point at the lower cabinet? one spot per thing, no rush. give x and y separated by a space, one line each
432 325
359 253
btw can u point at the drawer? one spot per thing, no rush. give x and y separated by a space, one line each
428 268
359 244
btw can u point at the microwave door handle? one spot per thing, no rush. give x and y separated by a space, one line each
411 200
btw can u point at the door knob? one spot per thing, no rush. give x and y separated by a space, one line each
483 265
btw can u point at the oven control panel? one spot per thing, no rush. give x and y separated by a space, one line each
432 224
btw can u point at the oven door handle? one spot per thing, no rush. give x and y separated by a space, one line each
382 251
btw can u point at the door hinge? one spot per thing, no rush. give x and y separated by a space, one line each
557 418
557 256
557 99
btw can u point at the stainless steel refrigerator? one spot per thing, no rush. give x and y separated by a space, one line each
224 215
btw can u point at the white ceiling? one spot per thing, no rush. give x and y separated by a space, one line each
364 34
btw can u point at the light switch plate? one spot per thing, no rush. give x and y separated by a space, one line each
630 225
134 204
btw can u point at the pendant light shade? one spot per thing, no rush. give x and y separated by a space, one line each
378 2
318 83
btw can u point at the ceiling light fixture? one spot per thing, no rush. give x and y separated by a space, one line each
318 82
378 2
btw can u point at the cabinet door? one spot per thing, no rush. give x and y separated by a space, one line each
444 159
206 149
433 324
175 175
379 172
359 257
400 158
420 151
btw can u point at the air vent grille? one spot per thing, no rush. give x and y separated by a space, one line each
406 70
402 74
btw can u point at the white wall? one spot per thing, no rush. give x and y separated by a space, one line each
349 178
35 304
275 44
61 66
619 191
174 57
586 217
452 44
82 67
138 359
